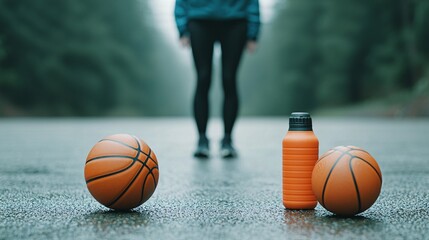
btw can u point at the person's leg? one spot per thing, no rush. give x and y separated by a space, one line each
233 39
202 42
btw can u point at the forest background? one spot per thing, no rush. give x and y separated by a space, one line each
111 58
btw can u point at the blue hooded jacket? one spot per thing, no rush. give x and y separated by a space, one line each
218 9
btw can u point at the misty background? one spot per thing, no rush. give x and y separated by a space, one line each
122 58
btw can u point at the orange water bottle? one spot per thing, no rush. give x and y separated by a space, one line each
300 153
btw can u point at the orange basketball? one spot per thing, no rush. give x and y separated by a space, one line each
121 172
346 180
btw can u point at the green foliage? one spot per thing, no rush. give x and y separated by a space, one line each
100 57
349 50
300 66
71 57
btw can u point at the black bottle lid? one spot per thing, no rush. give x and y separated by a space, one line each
300 121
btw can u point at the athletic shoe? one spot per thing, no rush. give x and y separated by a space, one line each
226 148
202 148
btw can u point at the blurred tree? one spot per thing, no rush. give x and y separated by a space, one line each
345 51
341 44
298 53
99 57
72 57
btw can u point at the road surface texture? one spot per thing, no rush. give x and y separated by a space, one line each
43 193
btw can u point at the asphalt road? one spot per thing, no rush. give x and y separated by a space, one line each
43 193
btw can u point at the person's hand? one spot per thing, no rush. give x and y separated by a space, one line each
251 46
185 41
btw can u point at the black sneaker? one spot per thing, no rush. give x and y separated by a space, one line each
202 148
226 148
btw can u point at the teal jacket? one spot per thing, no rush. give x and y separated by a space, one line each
218 9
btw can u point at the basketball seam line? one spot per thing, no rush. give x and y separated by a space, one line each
378 174
337 150
329 175
108 156
135 177
357 149
117 156
144 164
126 188
151 173
116 171
144 183
360 150
326 155
353 156
124 144
356 185
110 174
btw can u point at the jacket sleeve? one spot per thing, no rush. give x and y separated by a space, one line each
181 16
253 20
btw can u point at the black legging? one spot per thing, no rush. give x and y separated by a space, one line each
232 37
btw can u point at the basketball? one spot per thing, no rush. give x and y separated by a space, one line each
346 180
121 172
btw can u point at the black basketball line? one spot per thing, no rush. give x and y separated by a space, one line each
117 156
146 154
129 146
150 172
142 193
326 155
144 164
353 156
134 178
126 189
122 143
116 172
110 174
329 175
144 184
378 174
154 181
108 156
336 149
333 151
153 176
356 185
360 150
135 159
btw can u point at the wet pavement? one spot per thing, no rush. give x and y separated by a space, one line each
43 193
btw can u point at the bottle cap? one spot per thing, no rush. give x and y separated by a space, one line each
300 121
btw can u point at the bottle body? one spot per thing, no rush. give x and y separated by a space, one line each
300 154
